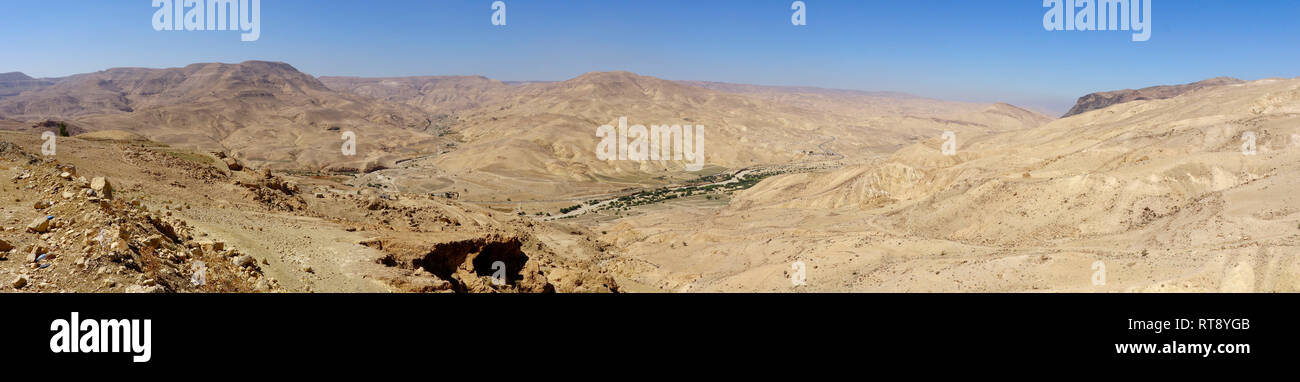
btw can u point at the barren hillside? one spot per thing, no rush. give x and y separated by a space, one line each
262 112
113 213
537 141
14 83
1103 100
1158 191
436 95
461 173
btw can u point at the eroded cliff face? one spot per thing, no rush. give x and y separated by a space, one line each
1102 100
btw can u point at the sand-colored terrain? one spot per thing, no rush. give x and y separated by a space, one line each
467 184
172 212
264 113
1159 192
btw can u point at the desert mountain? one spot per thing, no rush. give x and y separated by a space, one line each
12 84
1161 192
439 95
538 139
1103 100
850 102
1154 186
14 76
488 138
261 112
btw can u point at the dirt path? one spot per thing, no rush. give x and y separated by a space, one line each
288 244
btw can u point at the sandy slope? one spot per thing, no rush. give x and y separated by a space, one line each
1158 191
537 141
482 137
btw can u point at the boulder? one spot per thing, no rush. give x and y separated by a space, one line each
102 187
233 164
153 241
40 225
245 261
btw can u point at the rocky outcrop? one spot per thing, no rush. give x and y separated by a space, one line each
90 240
1102 100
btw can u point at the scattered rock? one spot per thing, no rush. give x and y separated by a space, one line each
373 242
39 253
20 282
212 246
102 187
39 225
245 261
153 241
145 289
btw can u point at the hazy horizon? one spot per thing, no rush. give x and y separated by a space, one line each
951 50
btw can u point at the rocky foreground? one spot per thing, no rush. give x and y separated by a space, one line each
117 216
81 238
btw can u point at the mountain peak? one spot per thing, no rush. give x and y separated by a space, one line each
270 65
619 83
255 66
1223 80
14 76
617 75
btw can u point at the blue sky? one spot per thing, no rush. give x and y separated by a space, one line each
970 50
